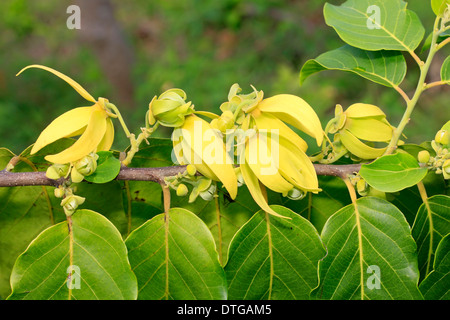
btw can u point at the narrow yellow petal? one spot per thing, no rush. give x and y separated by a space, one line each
369 129
68 124
70 81
263 162
254 187
363 110
297 168
359 148
108 138
296 112
201 140
87 143
268 121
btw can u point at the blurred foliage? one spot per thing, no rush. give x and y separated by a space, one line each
202 47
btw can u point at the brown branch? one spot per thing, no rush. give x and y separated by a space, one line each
15 179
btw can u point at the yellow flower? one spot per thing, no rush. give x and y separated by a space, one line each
274 155
92 123
197 143
361 122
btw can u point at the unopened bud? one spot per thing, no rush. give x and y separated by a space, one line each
362 187
191 170
296 194
446 169
442 137
71 203
87 165
182 190
423 156
170 108
56 171
59 192
208 195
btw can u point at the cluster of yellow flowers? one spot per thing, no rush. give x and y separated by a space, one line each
252 142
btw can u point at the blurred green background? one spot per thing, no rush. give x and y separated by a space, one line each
129 51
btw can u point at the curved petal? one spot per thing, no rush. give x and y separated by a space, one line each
68 124
204 144
262 160
70 81
87 143
297 168
359 148
363 110
108 138
369 129
296 112
268 121
254 187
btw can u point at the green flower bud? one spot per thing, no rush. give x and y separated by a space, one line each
170 108
423 156
182 190
296 194
446 169
56 171
71 203
362 187
59 192
208 195
87 165
191 170
76 176
442 137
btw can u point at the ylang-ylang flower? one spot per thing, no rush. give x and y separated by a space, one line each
273 155
93 124
359 127
196 142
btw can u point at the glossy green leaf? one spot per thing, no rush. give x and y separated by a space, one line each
371 254
108 167
174 257
431 225
376 24
436 284
393 173
384 67
272 258
24 213
317 208
91 247
445 71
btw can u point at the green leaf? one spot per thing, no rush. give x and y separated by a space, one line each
439 6
24 213
317 208
435 286
408 200
273 258
431 225
376 24
223 220
445 71
92 245
370 254
393 173
174 257
108 167
387 68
